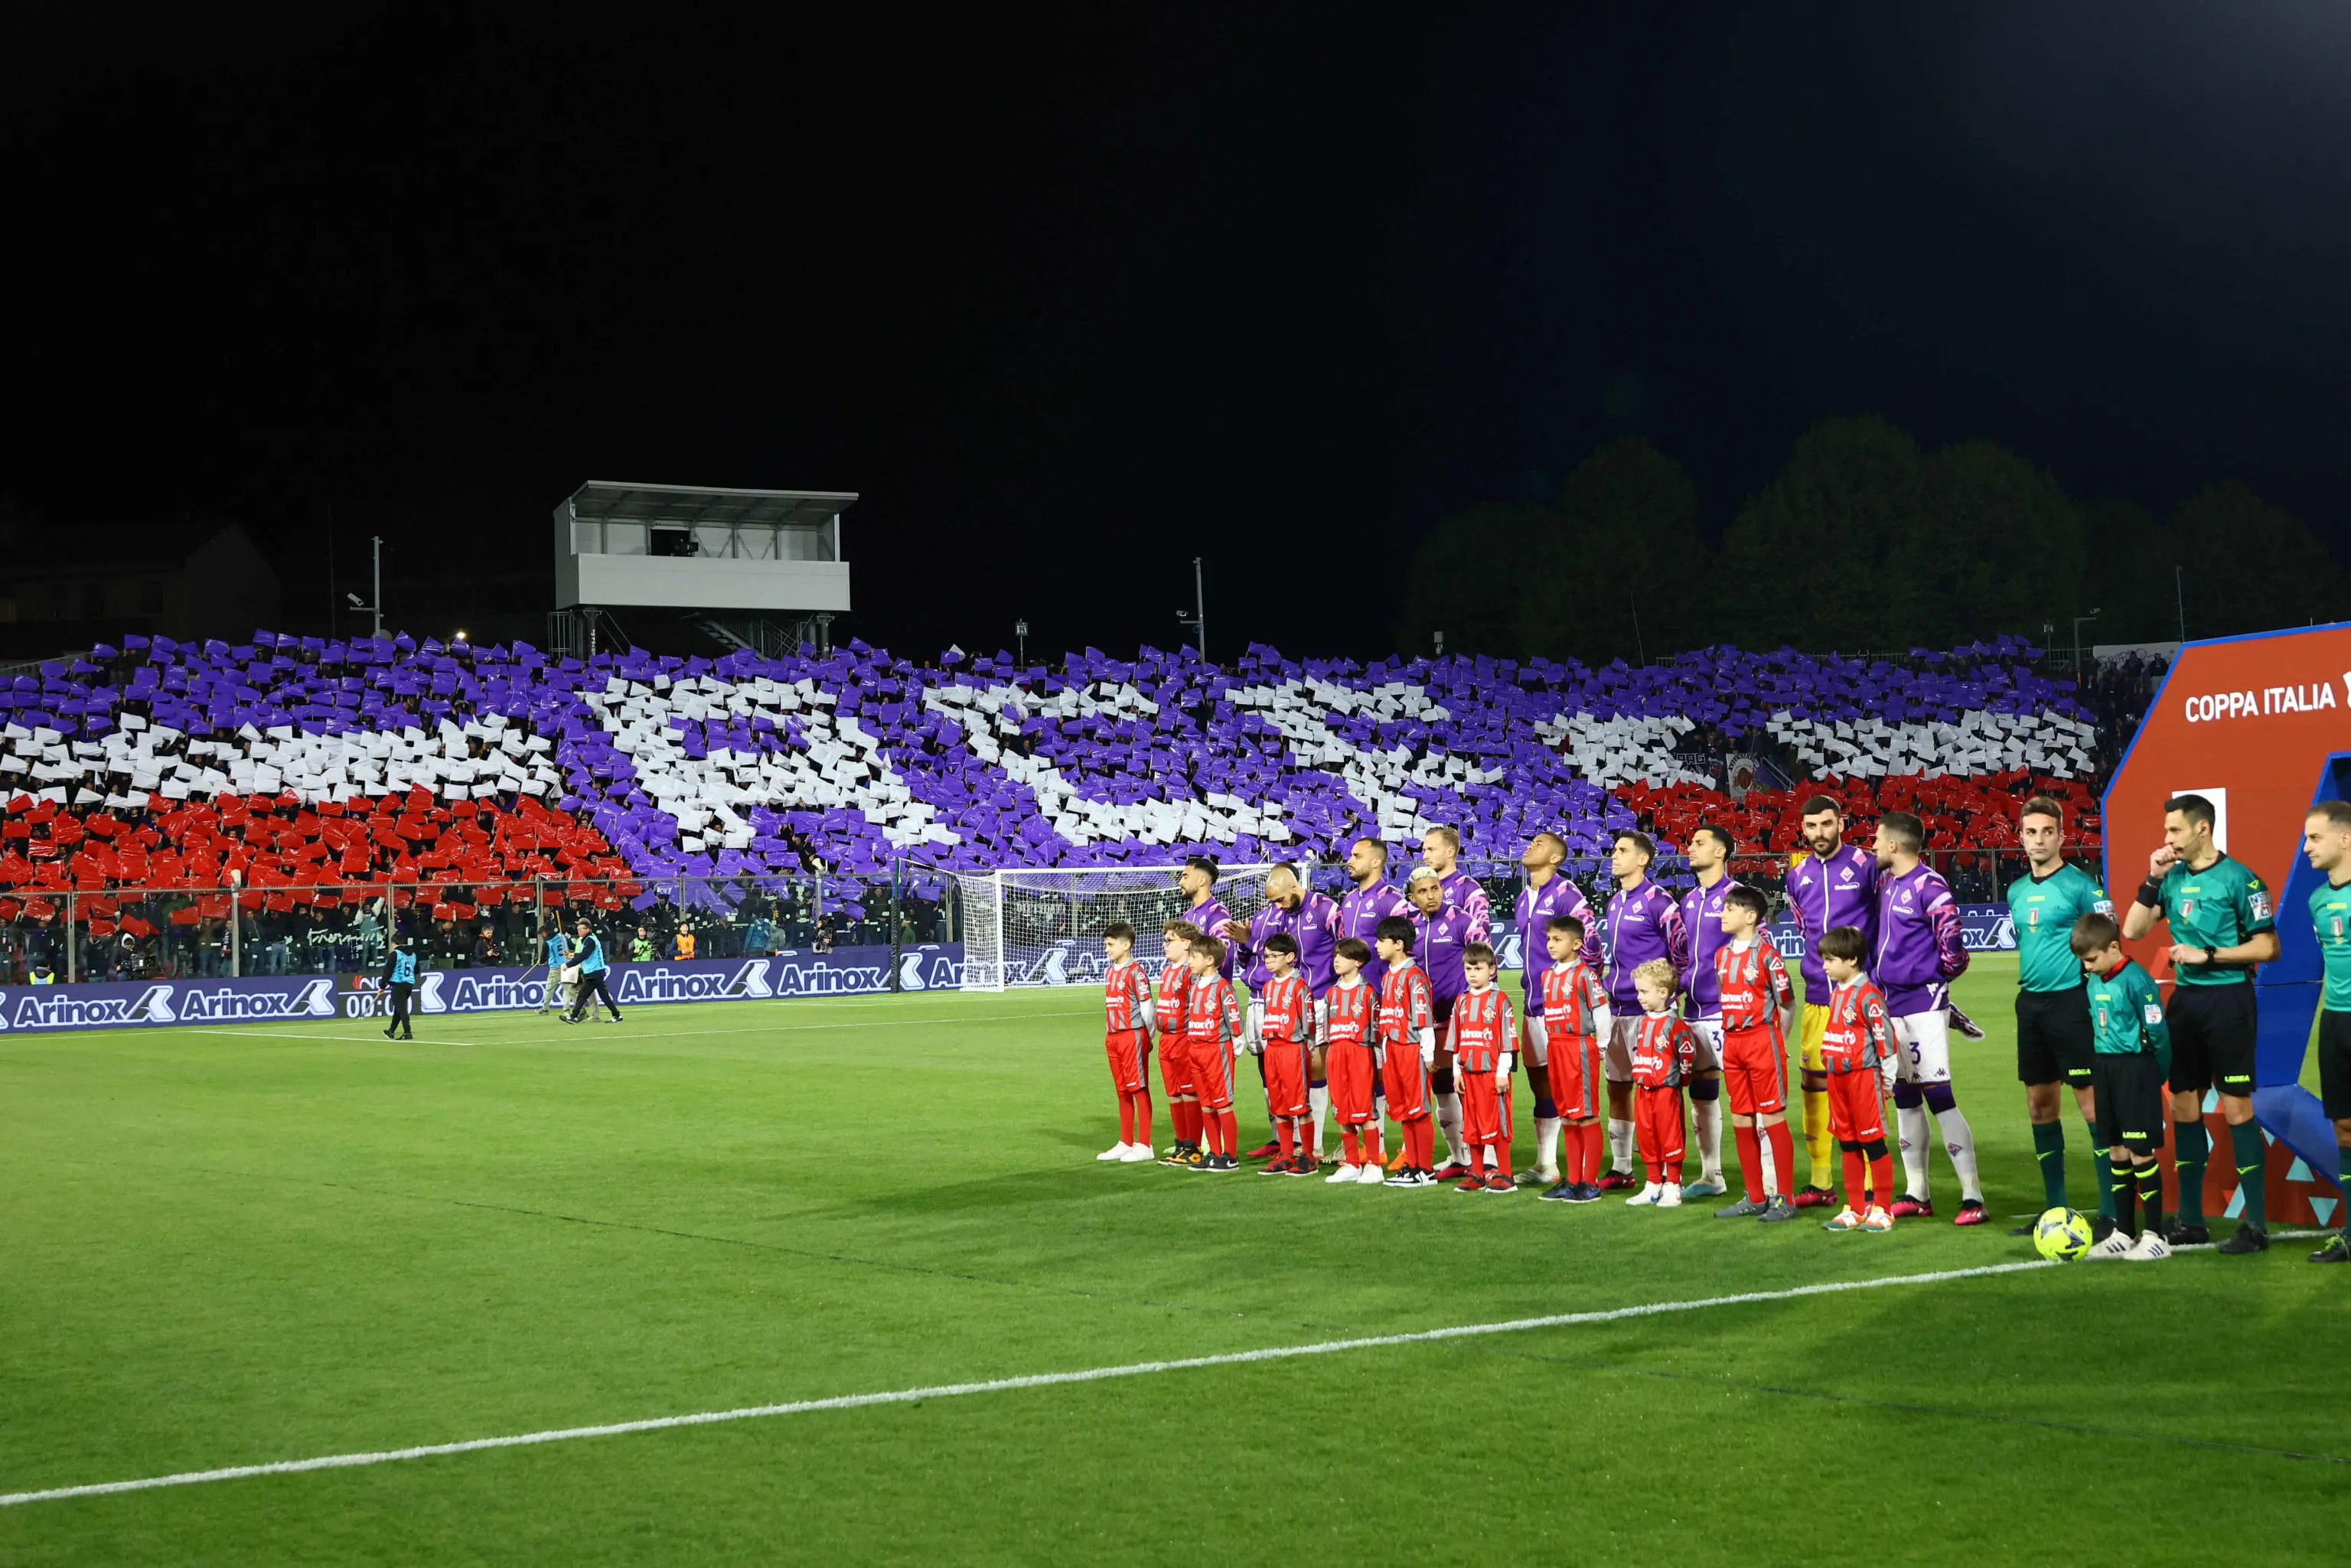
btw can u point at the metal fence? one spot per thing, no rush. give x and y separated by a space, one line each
134 934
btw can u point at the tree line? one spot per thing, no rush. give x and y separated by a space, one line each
1862 541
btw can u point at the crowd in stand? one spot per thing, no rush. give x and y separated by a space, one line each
466 792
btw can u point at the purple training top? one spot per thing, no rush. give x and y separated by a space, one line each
1918 952
1702 919
1840 890
1641 923
1215 920
1360 914
1537 906
1311 926
1437 949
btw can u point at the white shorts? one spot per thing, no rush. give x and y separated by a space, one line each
1926 1048
1708 1056
1616 1057
1538 1042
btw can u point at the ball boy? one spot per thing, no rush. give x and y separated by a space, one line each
1574 1021
1479 1035
1664 1048
1351 1052
1285 1033
2131 1055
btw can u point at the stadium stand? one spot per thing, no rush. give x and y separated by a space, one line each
463 778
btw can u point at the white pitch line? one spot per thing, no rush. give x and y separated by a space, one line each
997 1386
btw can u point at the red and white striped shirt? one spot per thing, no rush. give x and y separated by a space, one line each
1124 992
1483 1027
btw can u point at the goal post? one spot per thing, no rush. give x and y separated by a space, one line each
1044 926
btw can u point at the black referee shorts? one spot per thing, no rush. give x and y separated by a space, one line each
2212 1031
2054 1040
2334 1064
2130 1100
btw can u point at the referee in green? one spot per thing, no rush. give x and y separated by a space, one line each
2053 1040
2326 840
2222 925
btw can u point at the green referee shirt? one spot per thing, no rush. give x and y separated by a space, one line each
2126 1014
2043 909
2330 916
2220 906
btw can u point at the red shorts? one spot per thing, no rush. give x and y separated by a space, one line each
1857 1106
1349 1066
1127 1048
1755 1066
1285 1079
1212 1073
1485 1109
1174 1065
1576 1085
1657 1127
1407 1086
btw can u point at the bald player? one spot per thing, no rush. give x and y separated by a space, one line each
1547 895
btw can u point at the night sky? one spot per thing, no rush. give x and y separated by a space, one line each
1075 296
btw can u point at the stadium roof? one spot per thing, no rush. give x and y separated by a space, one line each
608 501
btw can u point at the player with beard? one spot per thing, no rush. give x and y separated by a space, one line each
1547 896
1832 885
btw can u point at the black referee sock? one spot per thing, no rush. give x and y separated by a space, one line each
2126 1201
2252 1162
2150 1197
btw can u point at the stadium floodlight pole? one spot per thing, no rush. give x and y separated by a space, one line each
1197 621
375 544
2078 620
1021 637
2179 594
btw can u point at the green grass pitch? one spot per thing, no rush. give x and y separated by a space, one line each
221 1247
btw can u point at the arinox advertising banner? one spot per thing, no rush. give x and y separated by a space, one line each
845 971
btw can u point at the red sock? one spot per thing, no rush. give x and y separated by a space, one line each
1420 1145
1125 1117
1881 1181
1281 1140
1594 1142
1229 1130
1374 1146
1142 1118
1783 1156
1185 1115
1855 1176
1656 1171
1500 1152
1751 1162
1351 1155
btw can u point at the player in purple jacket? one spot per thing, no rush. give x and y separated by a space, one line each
1709 851
1916 957
1198 881
1440 931
1310 920
1372 900
1641 923
1547 894
1834 886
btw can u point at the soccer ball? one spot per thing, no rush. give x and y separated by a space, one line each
2061 1235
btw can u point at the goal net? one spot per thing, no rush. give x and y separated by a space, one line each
1044 927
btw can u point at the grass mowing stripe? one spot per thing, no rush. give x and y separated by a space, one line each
1952 1411
641 1228
1000 1385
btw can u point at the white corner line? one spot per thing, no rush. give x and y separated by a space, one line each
995 1385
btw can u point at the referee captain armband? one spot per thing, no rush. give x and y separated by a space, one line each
2150 893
